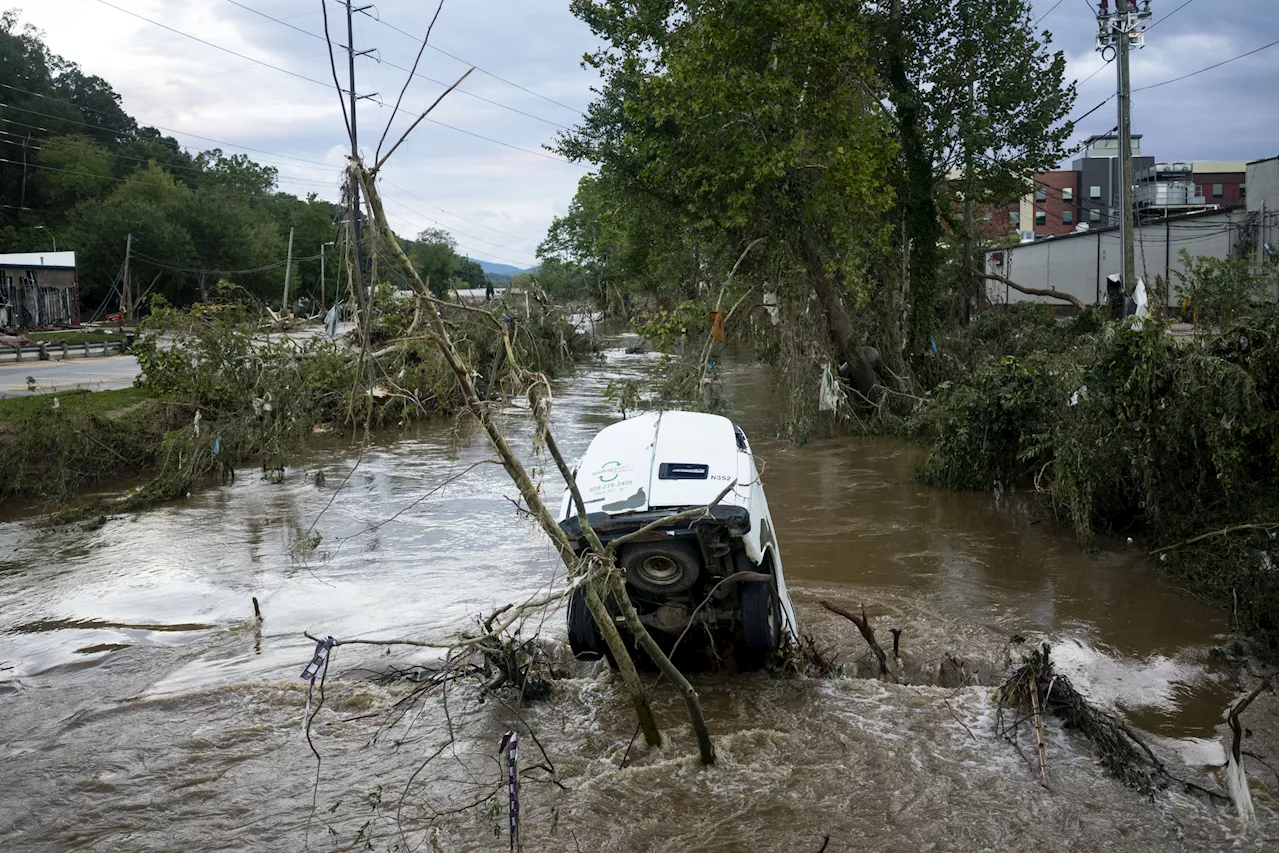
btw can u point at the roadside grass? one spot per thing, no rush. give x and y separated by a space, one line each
75 337
77 401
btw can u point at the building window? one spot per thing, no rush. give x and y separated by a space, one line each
1067 218
1040 194
1067 194
1095 192
1015 219
1242 195
1095 215
1040 217
1217 190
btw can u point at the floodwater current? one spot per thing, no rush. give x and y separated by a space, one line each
142 707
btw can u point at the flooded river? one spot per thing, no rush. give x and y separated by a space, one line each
142 707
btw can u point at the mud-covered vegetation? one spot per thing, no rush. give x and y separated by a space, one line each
1125 429
220 389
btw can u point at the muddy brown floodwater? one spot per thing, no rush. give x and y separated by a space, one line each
142 708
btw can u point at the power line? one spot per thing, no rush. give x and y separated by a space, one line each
1046 14
211 44
231 144
135 135
1170 15
272 266
1207 68
390 64
457 215
328 86
463 233
401 204
116 155
483 70
119 180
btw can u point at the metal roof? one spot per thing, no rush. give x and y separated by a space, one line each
63 260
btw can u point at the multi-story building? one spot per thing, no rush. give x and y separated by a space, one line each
1088 194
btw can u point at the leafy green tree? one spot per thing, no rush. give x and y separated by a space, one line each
71 169
975 90
434 254
473 274
236 174
751 119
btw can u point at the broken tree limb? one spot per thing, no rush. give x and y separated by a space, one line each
533 500
1261 525
1031 291
1042 754
1237 779
868 634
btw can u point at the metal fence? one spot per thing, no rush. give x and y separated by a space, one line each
60 350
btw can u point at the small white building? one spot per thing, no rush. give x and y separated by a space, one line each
1263 181
39 289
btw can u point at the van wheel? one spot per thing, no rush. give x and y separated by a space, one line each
761 623
663 568
585 640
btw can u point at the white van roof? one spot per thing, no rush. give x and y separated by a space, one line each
663 459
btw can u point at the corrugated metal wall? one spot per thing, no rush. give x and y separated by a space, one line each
1079 264
30 298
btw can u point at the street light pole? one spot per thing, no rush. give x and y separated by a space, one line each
322 245
51 237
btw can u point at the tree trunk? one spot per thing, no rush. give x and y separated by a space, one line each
839 327
705 749
626 666
915 191
533 500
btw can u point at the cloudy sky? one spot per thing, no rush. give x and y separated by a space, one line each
481 170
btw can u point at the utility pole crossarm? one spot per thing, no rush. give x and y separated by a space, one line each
1120 31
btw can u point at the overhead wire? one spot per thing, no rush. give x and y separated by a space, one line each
1206 68
1047 14
135 135
457 215
422 215
35 146
329 86
482 69
401 68
1160 21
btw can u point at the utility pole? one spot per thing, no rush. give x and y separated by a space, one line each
1120 31
288 262
352 53
125 298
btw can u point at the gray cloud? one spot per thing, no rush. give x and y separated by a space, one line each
1228 113
499 201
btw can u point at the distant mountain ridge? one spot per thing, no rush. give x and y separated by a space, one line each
500 269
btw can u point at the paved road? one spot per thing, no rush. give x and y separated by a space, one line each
96 374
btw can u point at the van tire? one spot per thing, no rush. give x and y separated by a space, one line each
585 639
662 568
761 621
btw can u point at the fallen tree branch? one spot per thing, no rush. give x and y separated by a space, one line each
1260 525
1031 291
868 634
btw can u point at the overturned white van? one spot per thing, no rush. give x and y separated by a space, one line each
718 573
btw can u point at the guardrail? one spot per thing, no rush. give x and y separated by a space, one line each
60 350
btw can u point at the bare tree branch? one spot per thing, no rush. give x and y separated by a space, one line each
407 80
1031 291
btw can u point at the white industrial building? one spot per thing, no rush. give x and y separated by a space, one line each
1079 263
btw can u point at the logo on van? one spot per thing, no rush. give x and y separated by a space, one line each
612 476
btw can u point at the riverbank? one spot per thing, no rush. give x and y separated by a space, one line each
220 394
1124 430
